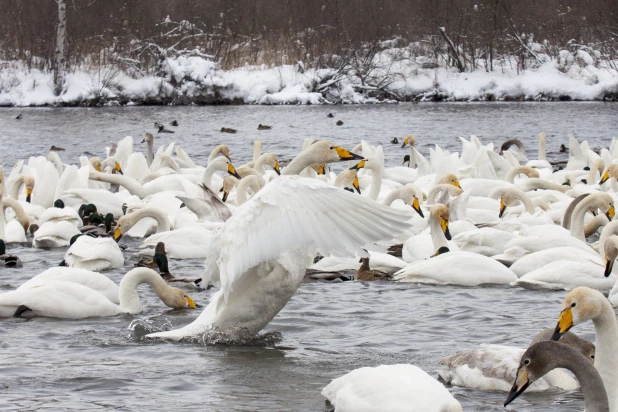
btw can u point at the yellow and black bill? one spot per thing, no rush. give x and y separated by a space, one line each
345 154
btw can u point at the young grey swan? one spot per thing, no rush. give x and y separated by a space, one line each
545 356
493 367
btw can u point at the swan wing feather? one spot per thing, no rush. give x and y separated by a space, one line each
292 212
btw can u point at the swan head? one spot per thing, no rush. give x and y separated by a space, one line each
348 177
148 138
611 253
29 183
225 151
320 169
580 305
178 299
440 214
510 197
409 140
611 171
223 164
323 151
450 179
96 163
537 361
410 196
604 202
271 160
228 184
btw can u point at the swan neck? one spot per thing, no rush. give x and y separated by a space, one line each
210 170
149 153
128 183
257 150
20 213
376 182
577 218
595 394
606 357
542 149
437 235
163 223
299 163
391 197
16 187
526 202
127 292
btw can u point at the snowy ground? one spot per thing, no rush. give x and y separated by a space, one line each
195 80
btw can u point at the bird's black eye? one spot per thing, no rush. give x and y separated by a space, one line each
332 147
591 356
573 304
527 362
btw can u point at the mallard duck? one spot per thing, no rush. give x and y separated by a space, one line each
339 123
9 261
161 128
19 116
174 123
264 127
56 149
98 226
330 115
86 209
159 261
395 141
228 130
365 273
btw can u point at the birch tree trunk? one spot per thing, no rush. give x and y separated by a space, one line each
61 37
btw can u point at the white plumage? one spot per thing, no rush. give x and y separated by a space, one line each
392 388
260 254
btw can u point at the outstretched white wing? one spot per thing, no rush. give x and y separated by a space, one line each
291 212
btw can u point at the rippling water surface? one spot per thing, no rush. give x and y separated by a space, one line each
325 330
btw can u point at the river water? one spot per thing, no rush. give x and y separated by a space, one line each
325 330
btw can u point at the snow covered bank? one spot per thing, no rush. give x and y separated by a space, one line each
195 80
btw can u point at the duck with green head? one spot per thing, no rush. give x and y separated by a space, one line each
159 260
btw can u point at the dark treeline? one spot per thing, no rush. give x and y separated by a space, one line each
137 34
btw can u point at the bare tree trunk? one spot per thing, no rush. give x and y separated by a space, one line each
453 48
61 37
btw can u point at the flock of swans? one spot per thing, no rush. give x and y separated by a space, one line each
479 217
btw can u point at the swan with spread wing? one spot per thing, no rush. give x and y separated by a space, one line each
260 254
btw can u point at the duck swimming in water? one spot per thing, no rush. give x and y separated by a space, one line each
159 261
9 261
365 273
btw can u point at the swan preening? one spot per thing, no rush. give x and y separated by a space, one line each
479 217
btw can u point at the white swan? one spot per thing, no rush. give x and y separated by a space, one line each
261 253
456 268
393 388
580 305
93 280
423 245
58 234
95 254
70 300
